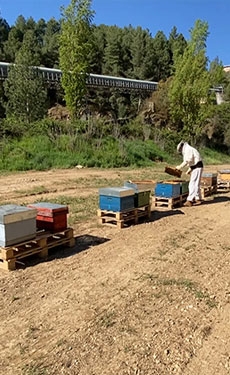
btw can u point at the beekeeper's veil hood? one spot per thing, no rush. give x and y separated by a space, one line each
180 146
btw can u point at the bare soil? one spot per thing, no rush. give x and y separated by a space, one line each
148 299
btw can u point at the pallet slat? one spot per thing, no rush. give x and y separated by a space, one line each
40 246
170 203
121 218
206 191
223 186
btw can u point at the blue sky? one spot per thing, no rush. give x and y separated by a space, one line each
155 15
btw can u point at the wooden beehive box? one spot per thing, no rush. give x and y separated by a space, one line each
50 216
116 199
209 179
17 224
183 185
142 197
168 189
224 175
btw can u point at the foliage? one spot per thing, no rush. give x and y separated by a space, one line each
189 88
75 47
24 87
130 52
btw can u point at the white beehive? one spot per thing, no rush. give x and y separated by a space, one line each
17 224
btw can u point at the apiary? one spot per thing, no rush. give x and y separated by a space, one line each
17 224
209 179
116 198
142 197
168 189
51 216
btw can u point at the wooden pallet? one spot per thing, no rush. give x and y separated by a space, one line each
206 191
170 203
9 256
223 186
122 218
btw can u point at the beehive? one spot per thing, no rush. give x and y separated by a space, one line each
168 189
209 179
51 216
224 175
17 224
116 199
142 197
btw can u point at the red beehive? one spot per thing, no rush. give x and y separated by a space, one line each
51 216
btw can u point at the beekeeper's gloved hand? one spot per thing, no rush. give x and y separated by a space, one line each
188 171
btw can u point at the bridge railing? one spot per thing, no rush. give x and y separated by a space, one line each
93 80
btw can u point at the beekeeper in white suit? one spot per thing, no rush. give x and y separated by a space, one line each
192 159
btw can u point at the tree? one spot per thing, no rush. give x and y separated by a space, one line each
162 57
24 86
189 89
138 52
15 39
75 47
177 44
50 47
4 32
113 56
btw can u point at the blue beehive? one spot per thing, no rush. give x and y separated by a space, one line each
167 189
116 199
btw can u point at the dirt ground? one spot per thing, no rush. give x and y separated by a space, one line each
152 298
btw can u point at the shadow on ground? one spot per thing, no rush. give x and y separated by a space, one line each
216 199
82 243
157 215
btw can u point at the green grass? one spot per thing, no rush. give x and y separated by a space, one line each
188 285
214 157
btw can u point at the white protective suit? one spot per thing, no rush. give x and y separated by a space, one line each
192 158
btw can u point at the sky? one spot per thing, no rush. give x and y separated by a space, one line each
154 15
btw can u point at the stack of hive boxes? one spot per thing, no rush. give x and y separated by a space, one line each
120 205
170 193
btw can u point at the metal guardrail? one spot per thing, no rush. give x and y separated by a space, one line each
93 80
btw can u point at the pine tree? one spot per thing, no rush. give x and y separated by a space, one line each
24 86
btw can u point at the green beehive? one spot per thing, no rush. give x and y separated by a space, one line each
142 198
184 187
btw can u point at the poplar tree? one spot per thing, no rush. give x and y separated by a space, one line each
189 89
75 48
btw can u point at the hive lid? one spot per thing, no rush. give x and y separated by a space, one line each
204 174
117 191
11 213
223 171
47 208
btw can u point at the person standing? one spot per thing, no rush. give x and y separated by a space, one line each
192 159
